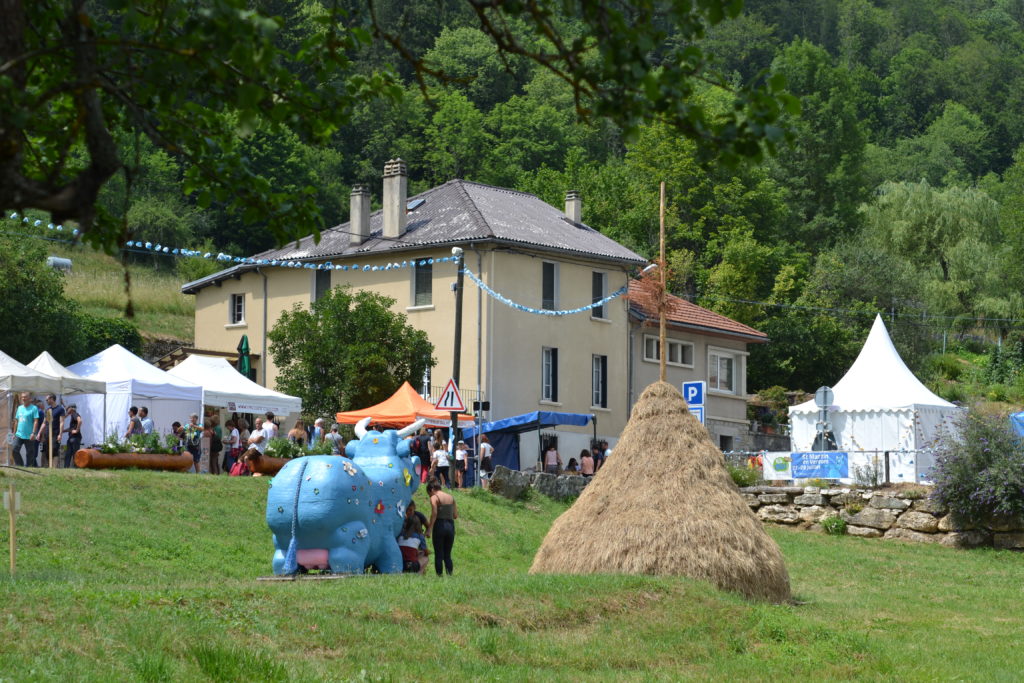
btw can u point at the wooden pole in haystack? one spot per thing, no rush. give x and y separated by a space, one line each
661 292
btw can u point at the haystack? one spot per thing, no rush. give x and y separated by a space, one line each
664 504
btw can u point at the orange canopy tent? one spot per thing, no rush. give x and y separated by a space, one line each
403 408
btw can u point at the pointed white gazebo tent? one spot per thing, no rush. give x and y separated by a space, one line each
132 381
70 382
879 405
15 376
225 387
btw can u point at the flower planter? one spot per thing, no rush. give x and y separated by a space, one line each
90 458
265 464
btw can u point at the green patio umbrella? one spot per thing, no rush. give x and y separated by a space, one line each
244 362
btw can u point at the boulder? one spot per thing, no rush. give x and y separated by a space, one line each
966 539
948 523
929 505
770 498
876 518
511 484
810 499
813 513
909 535
834 492
889 503
562 487
1008 541
779 514
751 500
918 521
1003 523
863 531
812 489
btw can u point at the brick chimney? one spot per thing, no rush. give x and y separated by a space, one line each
359 221
396 182
573 205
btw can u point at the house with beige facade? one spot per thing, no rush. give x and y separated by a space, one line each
527 251
701 345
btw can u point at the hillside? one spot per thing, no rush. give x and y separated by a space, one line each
96 281
151 576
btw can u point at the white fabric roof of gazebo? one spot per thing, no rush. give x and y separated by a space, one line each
71 383
15 376
225 387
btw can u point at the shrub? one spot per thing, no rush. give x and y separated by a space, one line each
834 525
98 333
980 472
281 447
946 366
743 476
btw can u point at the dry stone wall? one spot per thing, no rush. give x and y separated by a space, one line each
899 514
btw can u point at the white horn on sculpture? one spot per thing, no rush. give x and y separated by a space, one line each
411 429
361 427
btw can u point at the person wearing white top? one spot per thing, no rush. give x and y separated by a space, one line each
486 460
439 460
461 456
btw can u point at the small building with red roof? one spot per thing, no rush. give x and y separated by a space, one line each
701 346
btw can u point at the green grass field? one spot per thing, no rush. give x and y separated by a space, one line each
151 576
96 282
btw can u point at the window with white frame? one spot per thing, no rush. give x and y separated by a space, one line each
549 286
722 368
599 381
422 284
236 311
679 352
549 374
599 288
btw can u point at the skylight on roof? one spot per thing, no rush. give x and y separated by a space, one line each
414 204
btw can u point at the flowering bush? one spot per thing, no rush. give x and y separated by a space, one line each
142 443
980 473
280 447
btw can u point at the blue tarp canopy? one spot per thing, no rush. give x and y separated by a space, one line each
530 421
1017 422
504 434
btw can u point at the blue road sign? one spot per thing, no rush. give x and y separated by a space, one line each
698 412
693 392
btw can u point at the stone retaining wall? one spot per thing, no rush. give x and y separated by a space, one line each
901 514
906 515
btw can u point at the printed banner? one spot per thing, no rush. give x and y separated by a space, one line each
820 465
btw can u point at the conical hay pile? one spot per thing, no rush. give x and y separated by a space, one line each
664 504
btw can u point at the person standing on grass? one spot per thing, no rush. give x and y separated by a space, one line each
193 432
146 420
73 429
24 426
439 463
443 513
50 429
461 458
486 461
134 424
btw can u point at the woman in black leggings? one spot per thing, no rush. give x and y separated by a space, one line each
443 514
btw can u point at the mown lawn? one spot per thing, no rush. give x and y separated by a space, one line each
150 576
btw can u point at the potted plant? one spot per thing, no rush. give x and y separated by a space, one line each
143 451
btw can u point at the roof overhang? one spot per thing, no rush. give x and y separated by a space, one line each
648 321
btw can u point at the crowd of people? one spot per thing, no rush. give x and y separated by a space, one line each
589 462
38 429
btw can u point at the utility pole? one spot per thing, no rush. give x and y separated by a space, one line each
459 277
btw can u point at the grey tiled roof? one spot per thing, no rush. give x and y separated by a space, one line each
457 212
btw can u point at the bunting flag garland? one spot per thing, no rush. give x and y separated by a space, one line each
156 248
539 311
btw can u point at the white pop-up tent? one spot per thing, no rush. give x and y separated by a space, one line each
15 376
879 405
225 387
132 381
70 383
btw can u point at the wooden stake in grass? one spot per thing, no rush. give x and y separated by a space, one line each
12 503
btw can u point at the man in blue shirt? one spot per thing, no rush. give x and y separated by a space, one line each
26 422
147 421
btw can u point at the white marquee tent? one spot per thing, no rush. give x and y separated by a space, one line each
15 376
70 383
879 405
132 381
225 387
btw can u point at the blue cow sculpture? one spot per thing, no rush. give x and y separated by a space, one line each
344 513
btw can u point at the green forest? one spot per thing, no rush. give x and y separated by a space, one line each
899 188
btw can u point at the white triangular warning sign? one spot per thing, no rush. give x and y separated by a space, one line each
451 399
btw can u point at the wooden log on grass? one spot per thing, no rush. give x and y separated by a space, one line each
91 458
264 464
